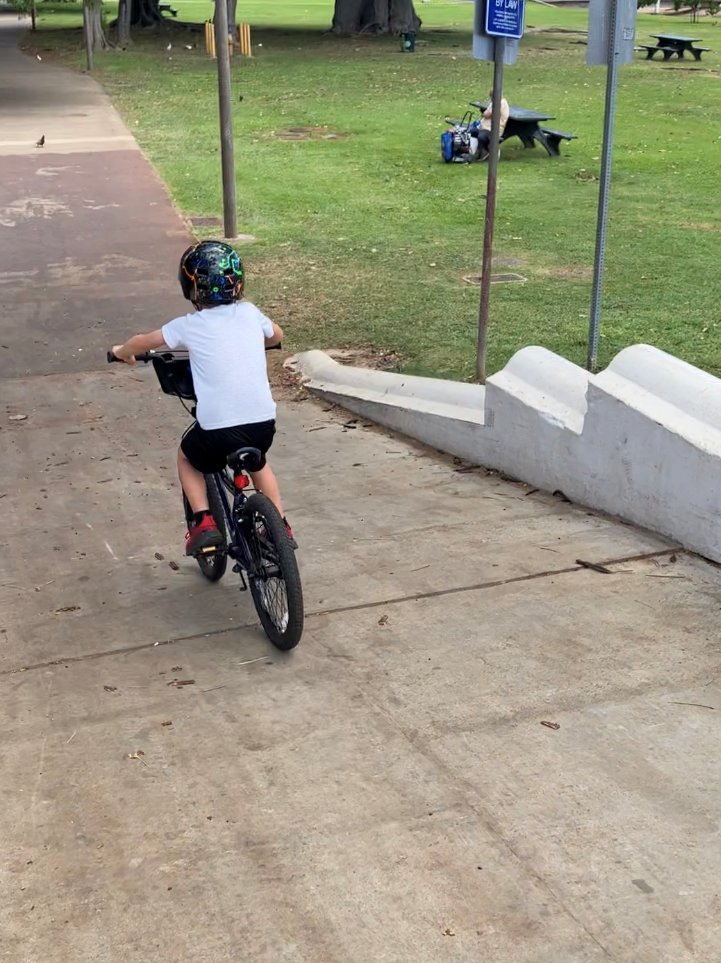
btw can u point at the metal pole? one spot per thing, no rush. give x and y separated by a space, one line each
226 121
486 264
606 158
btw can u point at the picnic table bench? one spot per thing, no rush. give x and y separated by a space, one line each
669 44
166 6
526 125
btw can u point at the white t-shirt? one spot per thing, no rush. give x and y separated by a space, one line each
226 346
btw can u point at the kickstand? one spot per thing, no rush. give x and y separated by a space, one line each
243 584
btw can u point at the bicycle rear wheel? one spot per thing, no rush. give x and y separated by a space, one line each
212 566
274 578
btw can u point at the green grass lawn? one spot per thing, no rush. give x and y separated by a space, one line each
365 238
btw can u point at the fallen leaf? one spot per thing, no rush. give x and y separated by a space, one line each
136 755
174 566
168 722
551 725
110 688
448 931
177 668
178 682
18 418
68 608
159 556
383 620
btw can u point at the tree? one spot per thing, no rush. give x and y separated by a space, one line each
145 13
95 38
124 16
375 16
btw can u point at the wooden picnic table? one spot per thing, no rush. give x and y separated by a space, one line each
527 126
670 44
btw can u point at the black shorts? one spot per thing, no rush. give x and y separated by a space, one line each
207 450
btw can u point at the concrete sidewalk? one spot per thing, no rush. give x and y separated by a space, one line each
388 791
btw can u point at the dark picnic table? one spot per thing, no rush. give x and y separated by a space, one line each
670 45
528 126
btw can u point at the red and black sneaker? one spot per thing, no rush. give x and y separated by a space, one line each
203 538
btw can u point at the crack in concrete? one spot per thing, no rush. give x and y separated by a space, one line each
356 607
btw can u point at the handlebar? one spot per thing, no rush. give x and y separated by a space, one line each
147 356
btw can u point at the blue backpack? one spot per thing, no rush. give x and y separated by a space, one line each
457 145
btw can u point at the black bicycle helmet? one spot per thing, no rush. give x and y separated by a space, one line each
211 272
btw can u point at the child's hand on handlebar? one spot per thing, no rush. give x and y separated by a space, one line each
121 353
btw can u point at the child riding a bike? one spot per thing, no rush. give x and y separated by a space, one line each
226 339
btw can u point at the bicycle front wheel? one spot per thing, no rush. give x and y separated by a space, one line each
274 577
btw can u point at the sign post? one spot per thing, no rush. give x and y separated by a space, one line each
226 120
611 33
499 32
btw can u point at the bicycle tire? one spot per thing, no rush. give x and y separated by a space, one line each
274 566
212 566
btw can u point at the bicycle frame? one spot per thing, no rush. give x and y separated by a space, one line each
238 548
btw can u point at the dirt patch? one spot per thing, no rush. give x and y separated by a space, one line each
367 356
284 383
308 133
701 227
495 278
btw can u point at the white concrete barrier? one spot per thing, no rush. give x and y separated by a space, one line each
641 440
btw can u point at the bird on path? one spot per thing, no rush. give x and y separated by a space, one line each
41 142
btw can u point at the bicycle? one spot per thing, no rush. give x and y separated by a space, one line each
254 535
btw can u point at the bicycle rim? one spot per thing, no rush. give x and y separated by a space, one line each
274 579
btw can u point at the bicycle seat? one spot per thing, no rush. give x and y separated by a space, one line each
244 459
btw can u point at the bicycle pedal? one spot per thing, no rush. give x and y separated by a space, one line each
236 569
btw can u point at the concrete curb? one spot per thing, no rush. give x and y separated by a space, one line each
639 440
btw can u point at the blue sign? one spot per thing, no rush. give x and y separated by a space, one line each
504 18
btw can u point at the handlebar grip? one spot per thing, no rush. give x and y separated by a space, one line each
143 356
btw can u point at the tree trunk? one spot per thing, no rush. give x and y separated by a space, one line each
375 16
96 38
145 13
87 38
124 12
